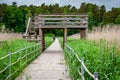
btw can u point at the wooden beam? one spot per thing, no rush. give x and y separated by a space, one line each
64 37
61 26
82 15
83 33
35 34
41 31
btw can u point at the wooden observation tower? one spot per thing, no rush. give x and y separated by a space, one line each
36 27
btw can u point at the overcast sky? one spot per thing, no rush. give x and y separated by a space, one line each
108 3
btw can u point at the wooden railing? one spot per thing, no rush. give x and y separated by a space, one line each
28 25
69 51
58 21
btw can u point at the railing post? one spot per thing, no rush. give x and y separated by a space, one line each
43 23
64 37
20 62
35 52
64 21
26 57
9 63
82 68
95 76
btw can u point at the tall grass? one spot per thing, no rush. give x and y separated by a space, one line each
10 47
109 33
98 58
101 52
9 36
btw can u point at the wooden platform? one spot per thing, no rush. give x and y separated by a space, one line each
65 22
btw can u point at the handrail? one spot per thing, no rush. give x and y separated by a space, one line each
84 15
82 63
28 24
35 52
18 51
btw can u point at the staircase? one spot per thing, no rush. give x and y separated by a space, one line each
31 34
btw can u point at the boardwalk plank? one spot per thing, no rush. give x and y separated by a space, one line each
50 65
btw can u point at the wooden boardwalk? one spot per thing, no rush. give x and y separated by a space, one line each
50 65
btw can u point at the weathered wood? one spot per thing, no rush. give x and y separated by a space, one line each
43 22
64 37
32 40
66 22
35 34
61 27
65 19
84 15
42 39
83 33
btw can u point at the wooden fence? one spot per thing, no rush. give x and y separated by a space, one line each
61 21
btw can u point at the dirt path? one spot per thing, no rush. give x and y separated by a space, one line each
50 65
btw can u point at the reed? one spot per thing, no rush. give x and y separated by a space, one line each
9 36
111 34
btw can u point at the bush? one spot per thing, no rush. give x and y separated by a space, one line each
1 24
117 21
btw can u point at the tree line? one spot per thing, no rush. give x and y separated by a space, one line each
14 17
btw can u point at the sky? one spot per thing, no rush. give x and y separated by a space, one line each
108 3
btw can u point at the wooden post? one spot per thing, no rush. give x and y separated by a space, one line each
35 34
64 37
83 33
41 31
95 75
9 63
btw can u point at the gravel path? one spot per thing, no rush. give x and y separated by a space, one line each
50 65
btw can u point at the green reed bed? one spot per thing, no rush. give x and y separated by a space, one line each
99 58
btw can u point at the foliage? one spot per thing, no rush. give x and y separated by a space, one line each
1 24
15 17
111 15
101 58
117 20
48 41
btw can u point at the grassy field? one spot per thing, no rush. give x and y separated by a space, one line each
12 45
98 58
101 52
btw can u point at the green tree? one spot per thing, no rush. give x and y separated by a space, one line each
14 19
26 13
102 12
73 10
117 20
2 12
110 16
32 9
67 9
82 8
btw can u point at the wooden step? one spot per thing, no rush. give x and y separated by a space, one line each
31 33
33 40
